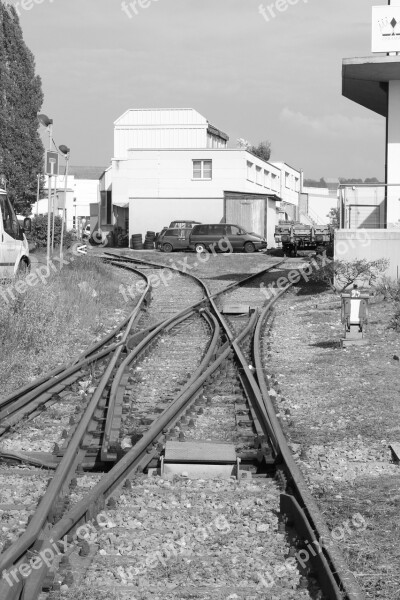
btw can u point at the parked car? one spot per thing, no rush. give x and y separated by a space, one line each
179 224
203 236
173 239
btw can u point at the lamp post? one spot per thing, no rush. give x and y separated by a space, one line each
44 120
64 150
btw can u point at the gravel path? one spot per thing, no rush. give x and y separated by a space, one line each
340 410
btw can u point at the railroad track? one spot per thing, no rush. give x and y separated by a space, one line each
221 410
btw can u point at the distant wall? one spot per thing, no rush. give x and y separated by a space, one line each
371 244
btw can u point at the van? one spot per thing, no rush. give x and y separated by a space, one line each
14 250
173 239
203 237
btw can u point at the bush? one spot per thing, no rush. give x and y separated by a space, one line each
38 233
389 289
396 318
341 274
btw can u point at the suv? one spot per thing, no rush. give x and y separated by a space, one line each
204 236
173 239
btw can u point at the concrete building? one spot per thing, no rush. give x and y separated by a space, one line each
172 164
316 203
374 82
82 191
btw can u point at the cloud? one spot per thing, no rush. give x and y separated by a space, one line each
333 126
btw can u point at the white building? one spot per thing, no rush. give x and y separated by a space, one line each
82 190
172 164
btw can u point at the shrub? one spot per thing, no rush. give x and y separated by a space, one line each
396 318
340 274
389 289
38 233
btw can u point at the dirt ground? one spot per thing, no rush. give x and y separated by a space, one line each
340 408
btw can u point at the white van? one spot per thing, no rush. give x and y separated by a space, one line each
14 250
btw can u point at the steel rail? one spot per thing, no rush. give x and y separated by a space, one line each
114 413
70 459
86 509
17 551
12 407
333 573
89 506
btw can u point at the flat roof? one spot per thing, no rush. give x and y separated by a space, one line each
365 80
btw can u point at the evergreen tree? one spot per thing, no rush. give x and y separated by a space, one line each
21 97
263 150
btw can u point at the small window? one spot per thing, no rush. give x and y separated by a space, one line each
172 232
258 175
287 179
267 179
202 169
250 171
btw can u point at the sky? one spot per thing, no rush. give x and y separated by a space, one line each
257 79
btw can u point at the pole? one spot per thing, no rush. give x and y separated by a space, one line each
37 195
49 199
55 202
64 205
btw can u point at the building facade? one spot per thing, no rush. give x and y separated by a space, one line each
82 190
172 164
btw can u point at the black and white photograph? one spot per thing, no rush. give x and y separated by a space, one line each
199 299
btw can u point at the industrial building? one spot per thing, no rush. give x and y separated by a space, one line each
173 164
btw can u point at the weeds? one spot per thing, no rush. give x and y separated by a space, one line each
390 290
54 320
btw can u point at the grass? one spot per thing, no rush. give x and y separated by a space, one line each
54 320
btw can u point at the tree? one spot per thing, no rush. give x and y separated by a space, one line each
21 97
341 274
243 144
263 150
334 217
372 180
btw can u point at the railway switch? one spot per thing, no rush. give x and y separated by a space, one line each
354 317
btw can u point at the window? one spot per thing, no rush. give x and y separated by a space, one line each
274 183
233 230
250 171
287 179
267 179
296 184
217 230
202 169
10 223
258 175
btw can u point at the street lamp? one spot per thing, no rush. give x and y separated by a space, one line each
46 122
64 150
